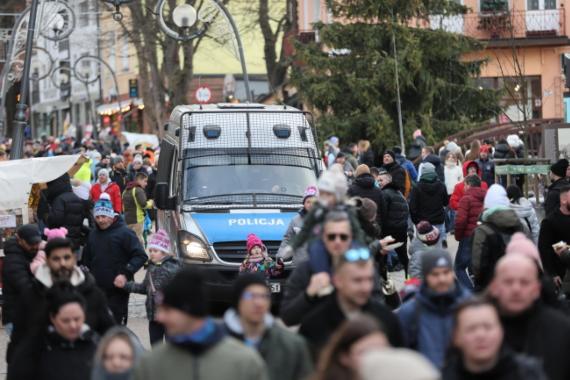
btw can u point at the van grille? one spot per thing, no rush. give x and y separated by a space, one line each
235 251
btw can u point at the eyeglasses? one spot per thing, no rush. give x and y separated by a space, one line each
333 237
357 254
248 296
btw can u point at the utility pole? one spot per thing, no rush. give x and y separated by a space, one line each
398 97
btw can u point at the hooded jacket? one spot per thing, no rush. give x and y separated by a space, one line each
291 361
48 356
490 240
67 210
468 212
17 277
364 186
100 373
459 189
216 356
427 321
395 210
427 201
321 323
436 162
510 366
111 252
527 216
408 165
552 202
33 306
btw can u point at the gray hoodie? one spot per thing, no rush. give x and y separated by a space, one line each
528 218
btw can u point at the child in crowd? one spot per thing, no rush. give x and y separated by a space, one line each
427 238
257 259
162 267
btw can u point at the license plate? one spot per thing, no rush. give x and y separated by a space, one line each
275 287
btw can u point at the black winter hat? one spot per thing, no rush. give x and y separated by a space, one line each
187 292
391 153
243 282
397 150
559 168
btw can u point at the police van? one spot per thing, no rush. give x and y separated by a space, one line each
228 170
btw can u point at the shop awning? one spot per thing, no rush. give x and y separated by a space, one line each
112 108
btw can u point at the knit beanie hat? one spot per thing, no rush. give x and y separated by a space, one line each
427 233
311 191
496 197
243 281
252 241
333 181
104 206
559 168
362 169
103 172
521 245
397 363
138 159
435 258
187 293
390 153
452 147
428 168
159 241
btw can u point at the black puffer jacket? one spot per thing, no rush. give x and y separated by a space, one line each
67 210
395 210
398 174
111 252
364 187
427 202
503 150
16 276
552 202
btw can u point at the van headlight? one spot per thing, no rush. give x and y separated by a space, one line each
192 247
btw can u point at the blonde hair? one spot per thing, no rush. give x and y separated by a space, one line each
364 145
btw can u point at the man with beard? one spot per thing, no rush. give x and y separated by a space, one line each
60 266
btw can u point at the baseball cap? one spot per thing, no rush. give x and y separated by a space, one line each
30 233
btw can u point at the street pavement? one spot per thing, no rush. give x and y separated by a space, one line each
137 315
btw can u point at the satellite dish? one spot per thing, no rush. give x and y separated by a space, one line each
184 16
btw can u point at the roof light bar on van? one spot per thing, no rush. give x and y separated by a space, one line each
237 106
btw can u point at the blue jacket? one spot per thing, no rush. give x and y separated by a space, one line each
488 170
111 252
427 321
409 166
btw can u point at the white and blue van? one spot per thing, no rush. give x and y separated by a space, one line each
228 170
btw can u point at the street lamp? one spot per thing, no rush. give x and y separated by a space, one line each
186 18
117 15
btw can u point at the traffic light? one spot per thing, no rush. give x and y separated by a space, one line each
133 88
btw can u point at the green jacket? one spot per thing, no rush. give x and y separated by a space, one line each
228 359
284 352
134 204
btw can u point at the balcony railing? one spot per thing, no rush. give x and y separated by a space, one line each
504 25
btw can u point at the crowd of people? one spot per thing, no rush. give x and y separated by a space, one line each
494 309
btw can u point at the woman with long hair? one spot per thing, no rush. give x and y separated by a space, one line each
473 153
116 355
340 359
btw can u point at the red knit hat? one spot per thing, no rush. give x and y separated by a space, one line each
252 241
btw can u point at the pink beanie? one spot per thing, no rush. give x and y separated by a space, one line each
159 241
521 245
252 241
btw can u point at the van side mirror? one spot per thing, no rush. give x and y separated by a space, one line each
161 198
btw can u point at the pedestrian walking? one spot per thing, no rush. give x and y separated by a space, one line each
162 267
426 239
17 277
498 223
525 211
467 216
119 174
250 321
64 348
406 164
113 254
487 165
469 168
136 204
478 350
118 352
365 153
60 265
398 173
104 185
364 186
427 319
453 174
353 339
429 157
196 345
559 180
286 250
531 327
554 239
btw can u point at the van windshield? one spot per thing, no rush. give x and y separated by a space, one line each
236 177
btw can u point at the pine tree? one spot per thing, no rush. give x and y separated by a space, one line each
348 78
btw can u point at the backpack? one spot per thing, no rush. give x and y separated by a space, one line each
497 245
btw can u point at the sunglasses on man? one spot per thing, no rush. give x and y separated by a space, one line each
333 237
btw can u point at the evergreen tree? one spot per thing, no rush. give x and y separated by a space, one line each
349 79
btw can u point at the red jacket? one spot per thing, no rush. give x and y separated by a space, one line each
468 212
114 193
459 189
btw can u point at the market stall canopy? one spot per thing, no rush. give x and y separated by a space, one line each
18 176
140 138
